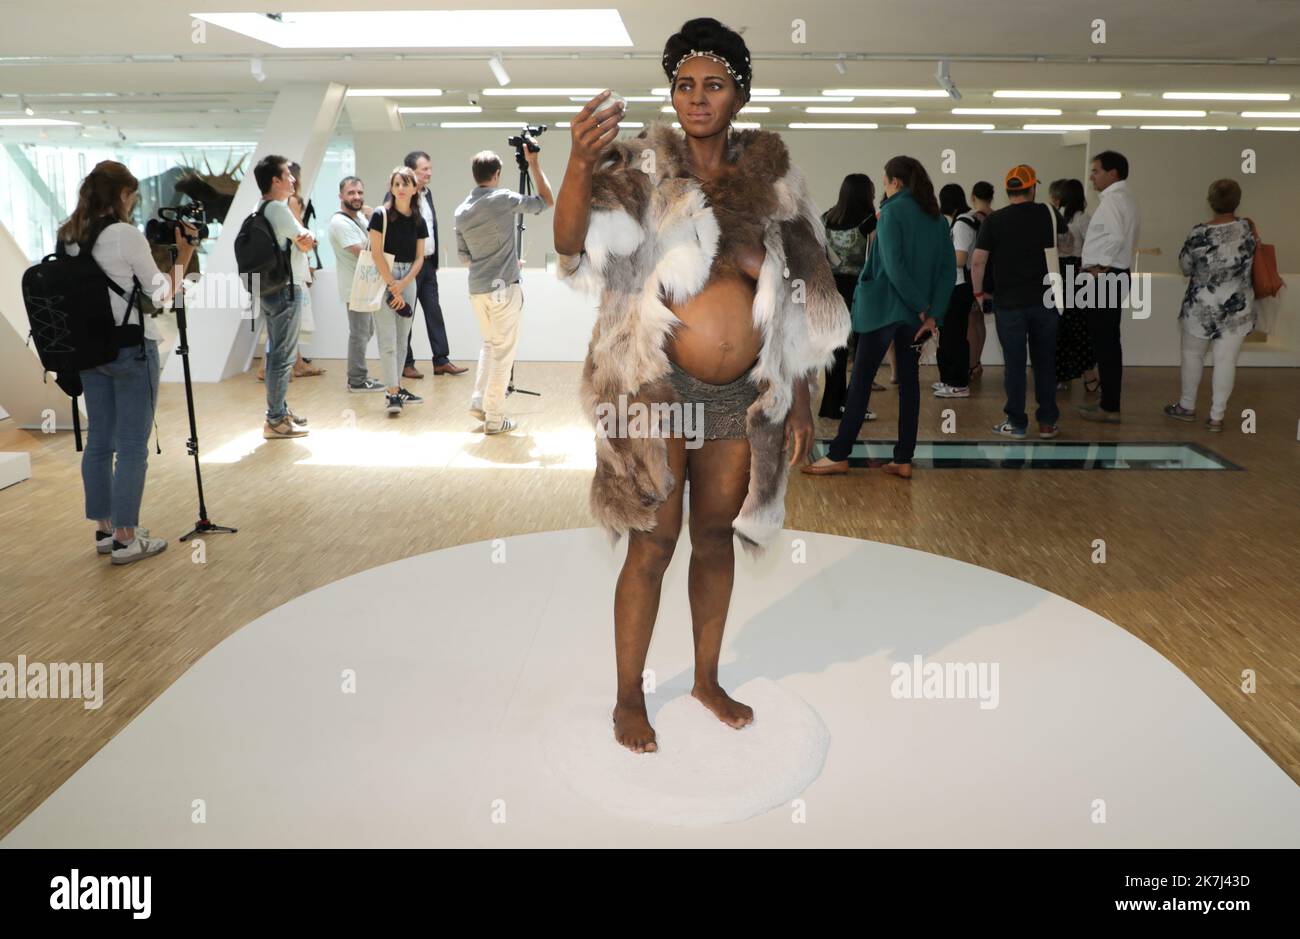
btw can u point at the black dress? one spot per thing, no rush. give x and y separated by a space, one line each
1074 354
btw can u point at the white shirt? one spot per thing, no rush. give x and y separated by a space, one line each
286 226
122 251
963 239
1070 245
1112 235
345 231
426 211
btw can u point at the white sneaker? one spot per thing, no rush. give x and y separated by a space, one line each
476 409
948 391
937 385
140 547
104 539
506 425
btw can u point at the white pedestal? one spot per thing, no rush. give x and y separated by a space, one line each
14 468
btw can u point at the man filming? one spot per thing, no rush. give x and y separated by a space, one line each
485 240
121 395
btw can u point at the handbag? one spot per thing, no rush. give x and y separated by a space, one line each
1054 262
368 287
1263 270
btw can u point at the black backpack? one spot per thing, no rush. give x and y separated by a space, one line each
71 316
257 252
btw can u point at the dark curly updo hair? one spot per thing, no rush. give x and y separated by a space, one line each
708 35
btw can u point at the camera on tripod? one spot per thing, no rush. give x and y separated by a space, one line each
162 230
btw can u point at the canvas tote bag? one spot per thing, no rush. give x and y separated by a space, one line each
367 284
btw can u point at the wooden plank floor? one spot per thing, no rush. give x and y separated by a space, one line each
1201 565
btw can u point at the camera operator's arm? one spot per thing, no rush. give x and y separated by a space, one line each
591 133
161 285
540 182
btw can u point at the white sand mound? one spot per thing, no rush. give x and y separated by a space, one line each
704 771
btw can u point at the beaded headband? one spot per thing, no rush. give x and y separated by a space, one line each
717 58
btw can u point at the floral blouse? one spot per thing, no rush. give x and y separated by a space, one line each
1220 296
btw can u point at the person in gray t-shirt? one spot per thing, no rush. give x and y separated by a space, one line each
485 222
485 240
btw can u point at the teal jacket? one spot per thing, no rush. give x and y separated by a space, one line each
911 267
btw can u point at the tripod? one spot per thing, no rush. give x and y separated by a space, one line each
203 525
525 188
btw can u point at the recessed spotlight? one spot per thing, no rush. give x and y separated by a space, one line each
499 69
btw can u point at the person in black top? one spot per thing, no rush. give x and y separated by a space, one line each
1012 243
849 226
397 228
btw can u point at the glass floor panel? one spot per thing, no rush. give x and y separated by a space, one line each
1040 454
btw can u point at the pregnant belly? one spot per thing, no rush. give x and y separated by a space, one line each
717 341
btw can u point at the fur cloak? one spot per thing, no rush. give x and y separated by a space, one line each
655 228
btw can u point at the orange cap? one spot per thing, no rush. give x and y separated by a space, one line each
1021 177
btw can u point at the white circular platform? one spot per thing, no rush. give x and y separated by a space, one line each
488 723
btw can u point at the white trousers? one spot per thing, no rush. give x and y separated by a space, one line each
1225 350
498 313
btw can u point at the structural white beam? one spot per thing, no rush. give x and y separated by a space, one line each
299 127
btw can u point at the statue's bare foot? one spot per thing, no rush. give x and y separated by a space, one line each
632 728
726 708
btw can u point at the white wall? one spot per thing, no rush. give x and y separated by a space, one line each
299 127
1171 172
825 157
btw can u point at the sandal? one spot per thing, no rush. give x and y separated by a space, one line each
308 371
976 372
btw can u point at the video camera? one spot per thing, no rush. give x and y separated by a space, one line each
162 230
519 141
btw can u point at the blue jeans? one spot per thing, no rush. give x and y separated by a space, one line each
1037 325
872 347
120 399
283 312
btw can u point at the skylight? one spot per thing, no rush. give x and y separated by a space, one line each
428 29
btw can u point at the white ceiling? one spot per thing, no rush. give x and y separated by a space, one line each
208 92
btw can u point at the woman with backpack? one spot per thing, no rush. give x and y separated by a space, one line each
954 341
121 395
981 197
849 226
